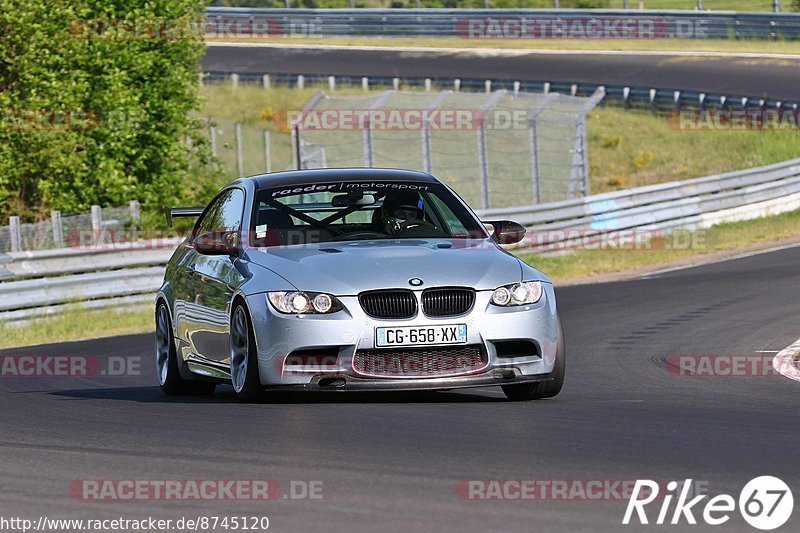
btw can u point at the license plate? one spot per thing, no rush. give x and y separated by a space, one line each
421 335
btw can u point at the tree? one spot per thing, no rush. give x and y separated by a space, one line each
95 101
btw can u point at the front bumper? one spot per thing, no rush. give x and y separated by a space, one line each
346 332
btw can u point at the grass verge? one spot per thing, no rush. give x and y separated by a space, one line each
594 45
77 324
695 246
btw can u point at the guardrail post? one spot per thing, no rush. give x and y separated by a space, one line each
239 149
16 234
265 81
58 228
136 214
97 223
267 151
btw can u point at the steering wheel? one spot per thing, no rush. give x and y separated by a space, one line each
359 235
408 224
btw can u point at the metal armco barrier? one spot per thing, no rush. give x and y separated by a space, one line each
51 281
502 23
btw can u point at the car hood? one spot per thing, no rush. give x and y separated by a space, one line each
347 268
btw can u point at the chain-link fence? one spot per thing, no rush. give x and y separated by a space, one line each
496 149
74 230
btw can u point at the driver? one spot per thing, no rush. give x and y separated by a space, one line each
400 210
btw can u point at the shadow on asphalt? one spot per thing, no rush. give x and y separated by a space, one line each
224 394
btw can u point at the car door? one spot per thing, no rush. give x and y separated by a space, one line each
212 281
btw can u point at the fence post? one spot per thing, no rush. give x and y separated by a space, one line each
301 81
136 213
58 228
265 82
16 234
396 84
366 140
332 83
267 151
457 84
239 150
235 81
427 85
365 83
212 133
426 146
295 148
536 178
483 165
97 223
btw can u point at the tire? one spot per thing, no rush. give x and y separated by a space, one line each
543 389
244 357
167 371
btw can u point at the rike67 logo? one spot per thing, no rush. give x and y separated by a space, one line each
766 503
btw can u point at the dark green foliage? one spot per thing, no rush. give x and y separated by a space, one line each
89 119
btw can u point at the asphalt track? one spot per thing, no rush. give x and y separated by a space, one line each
390 462
748 76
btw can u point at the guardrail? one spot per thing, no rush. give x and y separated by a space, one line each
50 281
502 23
691 204
657 100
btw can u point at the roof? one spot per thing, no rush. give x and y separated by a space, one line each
322 175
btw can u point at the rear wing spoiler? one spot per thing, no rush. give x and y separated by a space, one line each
173 212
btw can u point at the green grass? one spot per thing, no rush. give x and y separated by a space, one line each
77 324
657 45
680 246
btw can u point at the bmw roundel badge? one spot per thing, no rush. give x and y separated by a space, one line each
415 282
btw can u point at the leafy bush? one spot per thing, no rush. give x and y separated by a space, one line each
90 119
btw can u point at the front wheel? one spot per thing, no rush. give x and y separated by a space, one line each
244 358
544 389
169 376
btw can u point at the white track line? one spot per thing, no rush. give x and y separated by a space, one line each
784 362
501 51
715 261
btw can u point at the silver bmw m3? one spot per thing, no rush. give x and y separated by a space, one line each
352 279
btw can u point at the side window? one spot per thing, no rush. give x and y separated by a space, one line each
225 214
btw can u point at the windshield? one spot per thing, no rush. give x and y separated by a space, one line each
346 211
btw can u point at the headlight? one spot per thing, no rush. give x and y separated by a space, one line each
527 292
298 302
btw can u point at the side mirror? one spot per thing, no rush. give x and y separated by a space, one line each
507 232
217 243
